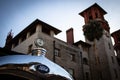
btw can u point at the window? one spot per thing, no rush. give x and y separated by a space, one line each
23 38
85 61
72 57
85 49
32 31
119 39
112 59
30 48
90 17
57 52
109 45
45 30
86 75
116 75
100 75
15 43
96 15
71 71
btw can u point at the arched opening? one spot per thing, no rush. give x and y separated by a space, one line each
85 61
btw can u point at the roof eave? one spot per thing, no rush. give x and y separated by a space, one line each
81 13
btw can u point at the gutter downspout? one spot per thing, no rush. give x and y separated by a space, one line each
54 51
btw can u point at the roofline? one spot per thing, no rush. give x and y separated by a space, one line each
95 4
115 32
37 21
82 43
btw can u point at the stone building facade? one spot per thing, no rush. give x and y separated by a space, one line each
116 36
101 51
78 58
65 54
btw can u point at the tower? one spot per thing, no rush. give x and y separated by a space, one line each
95 12
116 36
103 63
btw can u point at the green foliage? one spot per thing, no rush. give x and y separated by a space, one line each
93 30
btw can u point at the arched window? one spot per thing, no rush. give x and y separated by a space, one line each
90 17
85 61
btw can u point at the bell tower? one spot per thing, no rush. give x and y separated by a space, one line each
103 63
95 12
116 37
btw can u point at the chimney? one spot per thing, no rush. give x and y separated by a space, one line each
70 36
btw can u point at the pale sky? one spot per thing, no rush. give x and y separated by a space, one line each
61 14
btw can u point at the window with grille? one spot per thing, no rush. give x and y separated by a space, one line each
57 52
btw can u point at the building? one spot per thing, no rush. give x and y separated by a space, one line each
101 51
90 60
59 51
116 36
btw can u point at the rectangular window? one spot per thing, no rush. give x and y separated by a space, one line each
101 77
96 15
57 52
30 48
109 45
119 39
87 76
112 59
23 38
116 75
90 17
71 71
85 61
15 43
32 31
72 57
45 30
